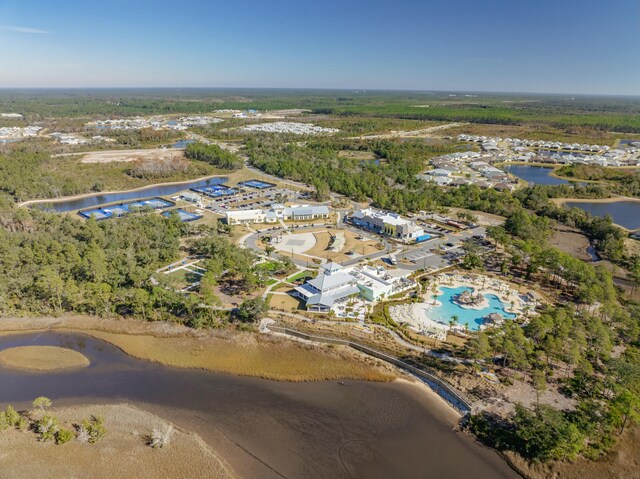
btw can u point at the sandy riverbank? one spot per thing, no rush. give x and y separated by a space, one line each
123 452
42 358
615 199
223 351
272 429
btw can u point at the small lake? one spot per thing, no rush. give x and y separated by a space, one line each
102 199
624 213
269 429
538 175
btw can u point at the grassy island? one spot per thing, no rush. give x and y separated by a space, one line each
42 358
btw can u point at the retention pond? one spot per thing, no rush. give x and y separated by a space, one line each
537 175
106 198
623 213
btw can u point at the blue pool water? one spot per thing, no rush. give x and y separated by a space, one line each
472 317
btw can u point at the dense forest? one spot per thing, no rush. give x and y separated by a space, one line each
587 344
51 264
618 181
600 113
214 155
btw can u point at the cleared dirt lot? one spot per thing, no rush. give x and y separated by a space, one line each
111 156
572 242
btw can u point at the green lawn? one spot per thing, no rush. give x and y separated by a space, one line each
182 278
301 275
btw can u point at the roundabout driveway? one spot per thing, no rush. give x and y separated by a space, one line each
296 243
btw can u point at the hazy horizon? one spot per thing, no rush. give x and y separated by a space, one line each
183 89
574 47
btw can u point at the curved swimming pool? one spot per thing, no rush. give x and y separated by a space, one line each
447 308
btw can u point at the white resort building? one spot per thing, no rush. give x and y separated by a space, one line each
276 213
389 224
336 284
331 286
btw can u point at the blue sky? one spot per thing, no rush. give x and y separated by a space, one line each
561 46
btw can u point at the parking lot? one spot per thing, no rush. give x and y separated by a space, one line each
251 200
441 251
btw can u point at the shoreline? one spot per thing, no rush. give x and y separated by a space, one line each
127 424
115 192
616 199
240 451
227 352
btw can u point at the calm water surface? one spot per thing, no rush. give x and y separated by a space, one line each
159 190
538 175
624 213
270 429
471 317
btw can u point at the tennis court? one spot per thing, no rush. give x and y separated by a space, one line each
257 184
215 191
184 216
115 211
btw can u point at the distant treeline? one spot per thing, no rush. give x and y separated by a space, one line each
602 113
500 115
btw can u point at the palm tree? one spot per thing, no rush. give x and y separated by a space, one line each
434 289
453 321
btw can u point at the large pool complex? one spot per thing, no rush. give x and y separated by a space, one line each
447 308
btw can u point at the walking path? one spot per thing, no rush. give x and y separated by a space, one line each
440 386
279 283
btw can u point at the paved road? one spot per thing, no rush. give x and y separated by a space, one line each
251 241
416 256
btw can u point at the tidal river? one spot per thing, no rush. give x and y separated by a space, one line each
267 429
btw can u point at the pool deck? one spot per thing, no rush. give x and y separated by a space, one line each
485 285
417 315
